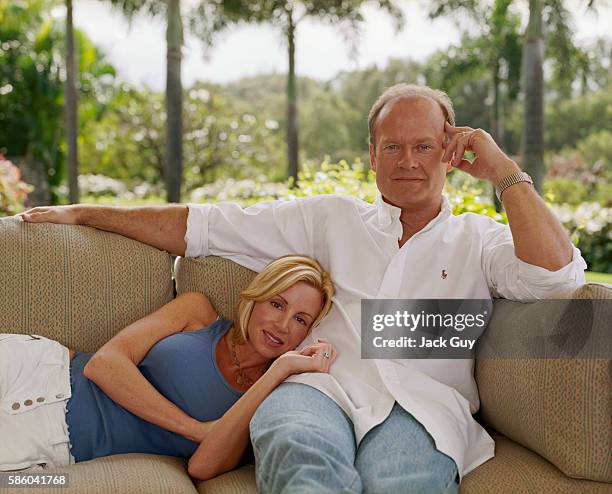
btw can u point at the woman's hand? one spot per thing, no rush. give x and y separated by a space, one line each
313 358
199 430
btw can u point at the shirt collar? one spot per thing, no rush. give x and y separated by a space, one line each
389 214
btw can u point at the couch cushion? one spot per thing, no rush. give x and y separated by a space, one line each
516 470
220 279
559 408
239 481
121 474
76 284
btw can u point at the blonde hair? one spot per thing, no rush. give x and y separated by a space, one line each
277 277
404 90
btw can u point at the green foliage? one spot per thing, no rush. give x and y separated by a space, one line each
355 179
13 190
572 120
583 174
220 138
31 86
590 227
32 93
125 137
593 277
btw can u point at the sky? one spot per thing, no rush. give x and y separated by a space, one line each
138 51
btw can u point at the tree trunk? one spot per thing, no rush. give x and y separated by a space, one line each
292 112
497 127
533 87
71 109
174 103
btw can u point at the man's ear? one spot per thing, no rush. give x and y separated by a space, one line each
372 157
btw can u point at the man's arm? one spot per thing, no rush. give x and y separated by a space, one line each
163 227
538 236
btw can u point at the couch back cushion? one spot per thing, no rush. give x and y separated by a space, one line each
560 408
221 280
75 284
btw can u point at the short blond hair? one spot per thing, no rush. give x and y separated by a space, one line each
277 277
404 90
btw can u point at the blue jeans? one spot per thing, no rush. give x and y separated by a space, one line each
304 443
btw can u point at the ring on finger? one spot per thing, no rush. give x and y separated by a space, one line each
326 355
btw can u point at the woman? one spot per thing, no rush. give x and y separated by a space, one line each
181 381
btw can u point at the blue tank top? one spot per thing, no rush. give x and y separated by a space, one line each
182 367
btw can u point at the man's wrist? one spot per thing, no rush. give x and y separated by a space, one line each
508 167
79 214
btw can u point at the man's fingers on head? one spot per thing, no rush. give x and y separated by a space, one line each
455 130
450 147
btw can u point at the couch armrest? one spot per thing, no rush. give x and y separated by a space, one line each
560 408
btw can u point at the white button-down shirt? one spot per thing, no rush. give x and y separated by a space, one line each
357 243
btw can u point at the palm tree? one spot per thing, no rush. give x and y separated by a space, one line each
288 14
533 86
532 66
174 102
71 109
174 92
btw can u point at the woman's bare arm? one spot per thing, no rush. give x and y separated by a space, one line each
114 368
226 439
163 227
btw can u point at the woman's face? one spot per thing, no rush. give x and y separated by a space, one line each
282 322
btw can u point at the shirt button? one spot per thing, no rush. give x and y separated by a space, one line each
40 399
15 406
27 403
59 396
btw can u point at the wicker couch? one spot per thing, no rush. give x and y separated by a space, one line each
551 419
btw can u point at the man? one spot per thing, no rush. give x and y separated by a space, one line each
377 425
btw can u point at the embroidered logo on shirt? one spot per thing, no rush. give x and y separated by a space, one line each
444 274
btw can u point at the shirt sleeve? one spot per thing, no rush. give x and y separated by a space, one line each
253 236
510 277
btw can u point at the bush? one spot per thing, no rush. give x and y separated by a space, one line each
590 227
582 175
589 224
13 191
338 178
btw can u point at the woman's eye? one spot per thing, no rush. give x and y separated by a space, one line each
276 305
301 321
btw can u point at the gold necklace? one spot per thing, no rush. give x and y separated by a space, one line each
241 377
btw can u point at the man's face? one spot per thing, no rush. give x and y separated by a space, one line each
409 136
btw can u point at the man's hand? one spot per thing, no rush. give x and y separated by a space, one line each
51 214
491 163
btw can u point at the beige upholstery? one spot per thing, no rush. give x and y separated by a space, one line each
220 279
516 470
81 286
559 408
129 474
241 480
75 284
